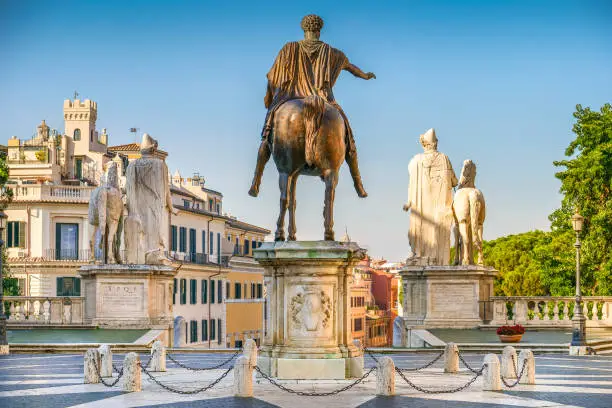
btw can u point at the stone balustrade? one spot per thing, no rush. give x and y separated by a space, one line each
29 310
48 192
550 311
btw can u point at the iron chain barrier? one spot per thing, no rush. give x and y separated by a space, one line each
102 380
314 394
186 392
432 362
518 375
215 367
467 365
452 390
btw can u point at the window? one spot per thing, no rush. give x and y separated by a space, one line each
238 344
253 244
218 208
219 291
174 292
68 286
203 241
219 337
227 290
245 291
76 135
237 290
210 205
193 291
21 285
183 291
91 135
211 244
358 324
204 291
78 168
186 203
204 330
246 246
192 244
66 241
212 291
182 239
218 247
16 234
193 330
212 329
252 290
174 240
259 291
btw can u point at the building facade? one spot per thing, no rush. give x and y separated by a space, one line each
52 177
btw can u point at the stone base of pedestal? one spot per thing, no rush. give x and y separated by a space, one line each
128 296
447 296
308 333
4 349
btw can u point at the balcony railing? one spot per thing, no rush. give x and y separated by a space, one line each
26 310
44 192
552 311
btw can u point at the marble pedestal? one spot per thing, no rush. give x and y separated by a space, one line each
307 332
446 296
129 296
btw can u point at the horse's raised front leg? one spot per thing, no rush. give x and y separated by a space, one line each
283 185
292 205
331 181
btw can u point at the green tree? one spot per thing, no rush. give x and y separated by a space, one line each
586 184
9 286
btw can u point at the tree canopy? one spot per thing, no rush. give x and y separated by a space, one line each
543 263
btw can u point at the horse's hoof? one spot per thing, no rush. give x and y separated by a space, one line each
361 191
291 238
329 237
279 238
253 191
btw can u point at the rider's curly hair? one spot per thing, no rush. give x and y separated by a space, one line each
312 22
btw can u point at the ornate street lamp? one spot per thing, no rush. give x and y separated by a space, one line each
4 347
579 320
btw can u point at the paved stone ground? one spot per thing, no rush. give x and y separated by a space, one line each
47 380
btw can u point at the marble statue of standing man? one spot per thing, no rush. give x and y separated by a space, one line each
149 205
430 204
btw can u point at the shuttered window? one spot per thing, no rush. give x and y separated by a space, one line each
183 291
237 290
182 239
212 291
193 291
204 242
219 336
174 238
68 286
204 291
204 330
219 291
174 290
15 237
193 330
212 329
259 291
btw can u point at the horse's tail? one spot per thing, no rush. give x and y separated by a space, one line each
314 108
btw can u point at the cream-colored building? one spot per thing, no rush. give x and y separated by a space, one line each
53 176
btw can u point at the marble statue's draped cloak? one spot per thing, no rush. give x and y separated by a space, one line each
146 189
430 195
302 69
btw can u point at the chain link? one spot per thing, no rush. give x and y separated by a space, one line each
314 394
187 392
518 376
102 380
203 368
432 362
467 365
453 390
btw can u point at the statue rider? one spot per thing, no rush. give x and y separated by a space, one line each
304 68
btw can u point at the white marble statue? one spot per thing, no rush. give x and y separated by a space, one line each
469 211
149 205
105 212
429 201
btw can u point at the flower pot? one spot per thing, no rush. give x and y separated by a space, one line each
510 338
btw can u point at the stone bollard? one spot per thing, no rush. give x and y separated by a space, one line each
250 351
529 372
91 365
132 381
106 357
491 380
385 378
356 363
243 377
509 363
451 358
158 357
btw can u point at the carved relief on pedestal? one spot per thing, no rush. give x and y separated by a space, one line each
310 311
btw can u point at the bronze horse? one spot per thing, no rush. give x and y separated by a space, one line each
309 139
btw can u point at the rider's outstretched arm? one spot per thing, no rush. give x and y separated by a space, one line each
355 70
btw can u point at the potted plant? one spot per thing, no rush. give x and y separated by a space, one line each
510 334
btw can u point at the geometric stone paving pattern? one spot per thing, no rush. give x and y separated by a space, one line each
56 380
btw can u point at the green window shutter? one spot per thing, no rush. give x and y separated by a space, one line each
22 232
219 331
60 287
204 291
58 236
204 330
183 292
219 291
77 287
174 292
212 291
9 238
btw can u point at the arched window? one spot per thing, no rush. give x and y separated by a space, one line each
77 135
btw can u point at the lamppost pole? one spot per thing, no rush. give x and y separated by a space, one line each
4 346
578 345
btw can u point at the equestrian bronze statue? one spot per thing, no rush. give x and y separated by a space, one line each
306 131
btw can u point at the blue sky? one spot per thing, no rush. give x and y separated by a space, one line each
497 80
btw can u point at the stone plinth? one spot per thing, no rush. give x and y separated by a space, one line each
308 325
447 296
128 296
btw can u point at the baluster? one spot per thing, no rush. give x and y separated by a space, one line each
566 310
36 311
585 309
47 311
556 311
604 311
12 311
